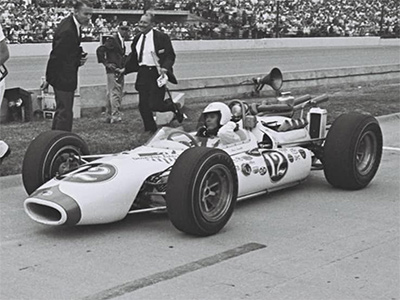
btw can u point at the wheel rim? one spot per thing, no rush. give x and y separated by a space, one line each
366 152
216 193
66 159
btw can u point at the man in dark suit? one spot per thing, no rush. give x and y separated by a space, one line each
152 56
65 59
112 55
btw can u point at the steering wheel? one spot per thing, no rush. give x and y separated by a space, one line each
191 138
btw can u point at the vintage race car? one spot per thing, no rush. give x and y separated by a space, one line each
199 186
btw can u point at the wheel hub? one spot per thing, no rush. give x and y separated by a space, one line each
64 161
366 153
215 193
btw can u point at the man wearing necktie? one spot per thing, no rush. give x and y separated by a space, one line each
112 55
148 46
65 59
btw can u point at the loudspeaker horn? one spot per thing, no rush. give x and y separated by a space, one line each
273 79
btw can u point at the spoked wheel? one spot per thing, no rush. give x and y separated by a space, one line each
202 191
52 153
352 151
366 153
65 160
215 193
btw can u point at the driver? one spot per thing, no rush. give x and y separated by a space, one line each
218 127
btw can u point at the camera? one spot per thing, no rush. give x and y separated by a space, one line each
83 53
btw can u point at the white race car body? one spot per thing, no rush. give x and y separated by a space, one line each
106 189
276 145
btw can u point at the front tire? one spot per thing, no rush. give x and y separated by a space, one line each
352 151
202 191
49 154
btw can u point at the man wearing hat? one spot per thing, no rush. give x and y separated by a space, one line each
112 55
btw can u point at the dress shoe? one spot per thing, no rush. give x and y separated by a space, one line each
115 119
178 114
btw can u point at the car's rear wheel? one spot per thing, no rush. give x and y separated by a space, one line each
352 151
49 154
202 191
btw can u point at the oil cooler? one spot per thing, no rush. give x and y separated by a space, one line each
317 122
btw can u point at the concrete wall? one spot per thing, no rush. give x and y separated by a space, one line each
229 87
241 86
44 49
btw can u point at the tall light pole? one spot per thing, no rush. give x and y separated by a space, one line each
277 19
146 5
382 19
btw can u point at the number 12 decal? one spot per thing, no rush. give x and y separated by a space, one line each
277 164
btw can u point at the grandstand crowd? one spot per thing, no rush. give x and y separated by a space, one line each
34 21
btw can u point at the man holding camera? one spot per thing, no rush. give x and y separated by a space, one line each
65 59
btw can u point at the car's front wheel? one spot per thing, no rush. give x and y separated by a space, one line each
49 154
352 151
202 191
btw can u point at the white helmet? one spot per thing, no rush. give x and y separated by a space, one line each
222 108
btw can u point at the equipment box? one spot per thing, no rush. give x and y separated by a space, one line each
49 114
16 105
48 104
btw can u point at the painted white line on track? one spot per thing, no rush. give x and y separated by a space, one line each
134 285
391 148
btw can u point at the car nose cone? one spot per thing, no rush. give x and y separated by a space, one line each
52 207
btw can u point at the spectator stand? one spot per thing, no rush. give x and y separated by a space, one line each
217 19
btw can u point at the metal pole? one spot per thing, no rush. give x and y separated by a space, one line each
382 18
277 19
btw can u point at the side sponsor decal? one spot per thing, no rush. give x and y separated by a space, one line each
246 169
254 152
297 154
167 157
256 169
263 171
302 153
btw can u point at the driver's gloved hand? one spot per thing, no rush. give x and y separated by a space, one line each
202 132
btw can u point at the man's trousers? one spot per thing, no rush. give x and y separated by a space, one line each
64 115
114 94
151 97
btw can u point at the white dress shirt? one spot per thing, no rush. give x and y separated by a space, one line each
2 37
121 39
78 26
147 58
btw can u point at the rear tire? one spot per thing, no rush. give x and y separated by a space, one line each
202 191
49 154
352 151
